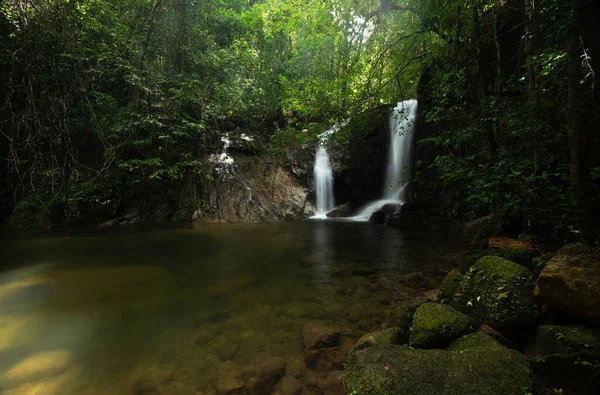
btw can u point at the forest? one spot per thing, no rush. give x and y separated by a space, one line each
299 197
106 101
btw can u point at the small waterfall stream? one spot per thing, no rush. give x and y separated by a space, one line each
402 122
323 183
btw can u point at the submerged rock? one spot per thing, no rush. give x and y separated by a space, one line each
498 293
317 335
435 325
397 370
37 367
262 376
449 286
150 380
230 382
231 285
570 282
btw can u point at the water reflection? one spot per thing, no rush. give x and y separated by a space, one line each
194 304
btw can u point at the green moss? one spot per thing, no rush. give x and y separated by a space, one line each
402 315
522 256
389 336
498 293
449 286
435 325
526 237
468 259
396 370
475 340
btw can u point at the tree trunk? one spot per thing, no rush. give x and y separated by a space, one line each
580 200
532 37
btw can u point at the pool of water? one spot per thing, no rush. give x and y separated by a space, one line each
184 310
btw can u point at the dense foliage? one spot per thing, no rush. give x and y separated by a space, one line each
106 100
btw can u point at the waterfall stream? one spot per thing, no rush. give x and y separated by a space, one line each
402 122
323 183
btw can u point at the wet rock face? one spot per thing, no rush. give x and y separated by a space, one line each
252 189
360 167
498 293
393 370
570 282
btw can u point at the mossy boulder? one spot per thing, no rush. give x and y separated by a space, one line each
449 286
566 357
387 336
522 256
435 325
398 370
498 293
570 282
402 315
474 340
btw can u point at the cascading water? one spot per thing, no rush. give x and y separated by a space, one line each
402 122
323 182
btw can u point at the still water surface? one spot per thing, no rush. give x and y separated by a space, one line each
92 313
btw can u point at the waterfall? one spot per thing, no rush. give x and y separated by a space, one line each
402 122
323 182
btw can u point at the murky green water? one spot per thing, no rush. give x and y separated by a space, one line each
115 312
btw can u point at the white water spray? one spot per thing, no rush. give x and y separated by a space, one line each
323 182
402 123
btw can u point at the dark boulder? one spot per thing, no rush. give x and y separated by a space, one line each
377 217
566 357
344 210
570 282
